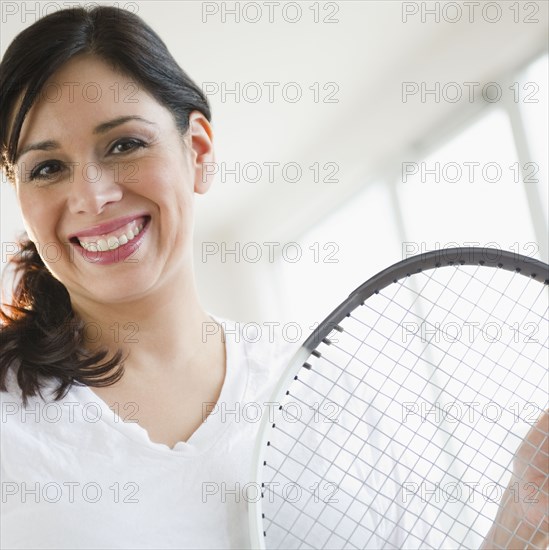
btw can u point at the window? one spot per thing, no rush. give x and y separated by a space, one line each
485 186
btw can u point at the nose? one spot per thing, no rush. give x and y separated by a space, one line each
93 186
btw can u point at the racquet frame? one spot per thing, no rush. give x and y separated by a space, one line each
490 257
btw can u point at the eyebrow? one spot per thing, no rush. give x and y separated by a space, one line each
49 145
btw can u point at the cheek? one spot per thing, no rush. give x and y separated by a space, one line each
170 186
39 216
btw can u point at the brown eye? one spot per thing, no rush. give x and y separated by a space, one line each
43 170
126 145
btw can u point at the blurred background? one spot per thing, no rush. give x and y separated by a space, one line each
350 135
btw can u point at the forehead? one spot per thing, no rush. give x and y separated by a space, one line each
83 92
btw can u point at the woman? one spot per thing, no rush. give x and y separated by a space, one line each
109 363
105 167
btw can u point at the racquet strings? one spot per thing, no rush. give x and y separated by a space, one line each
403 431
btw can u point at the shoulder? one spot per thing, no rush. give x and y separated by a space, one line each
265 349
260 340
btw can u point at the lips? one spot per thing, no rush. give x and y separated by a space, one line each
120 242
128 225
107 227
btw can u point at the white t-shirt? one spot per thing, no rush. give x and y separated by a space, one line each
74 475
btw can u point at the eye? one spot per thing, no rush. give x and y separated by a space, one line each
42 172
126 145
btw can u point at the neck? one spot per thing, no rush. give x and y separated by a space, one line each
163 332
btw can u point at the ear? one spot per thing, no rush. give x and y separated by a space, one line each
201 141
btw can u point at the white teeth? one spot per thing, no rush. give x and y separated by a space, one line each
113 242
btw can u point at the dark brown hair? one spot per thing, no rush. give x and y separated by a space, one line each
40 334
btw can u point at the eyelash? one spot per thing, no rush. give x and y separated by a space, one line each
35 173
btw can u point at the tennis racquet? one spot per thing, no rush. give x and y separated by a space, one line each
397 422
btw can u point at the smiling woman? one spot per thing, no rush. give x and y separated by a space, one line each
105 146
100 147
130 415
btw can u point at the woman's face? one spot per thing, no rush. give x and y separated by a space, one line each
107 194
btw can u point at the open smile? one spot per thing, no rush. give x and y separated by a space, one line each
115 245
115 239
